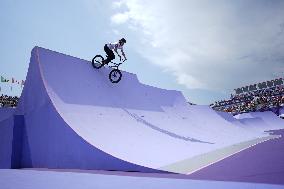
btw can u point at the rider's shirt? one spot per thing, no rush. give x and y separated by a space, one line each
114 45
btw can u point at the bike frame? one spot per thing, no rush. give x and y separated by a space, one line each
115 65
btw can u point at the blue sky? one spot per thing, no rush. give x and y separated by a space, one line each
203 48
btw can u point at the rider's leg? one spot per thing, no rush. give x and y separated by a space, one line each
110 55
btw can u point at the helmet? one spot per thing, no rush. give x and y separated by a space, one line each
122 40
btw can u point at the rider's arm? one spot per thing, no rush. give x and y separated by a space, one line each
123 54
115 50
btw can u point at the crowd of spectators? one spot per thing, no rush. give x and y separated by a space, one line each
259 100
8 101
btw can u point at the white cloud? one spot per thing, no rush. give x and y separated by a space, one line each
209 44
117 4
116 32
119 18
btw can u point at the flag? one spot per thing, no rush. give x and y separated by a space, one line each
22 83
3 79
13 80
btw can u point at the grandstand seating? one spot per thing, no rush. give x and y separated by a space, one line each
8 101
263 99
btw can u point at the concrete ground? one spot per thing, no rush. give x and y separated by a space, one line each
46 179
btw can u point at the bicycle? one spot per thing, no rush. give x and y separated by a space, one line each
115 74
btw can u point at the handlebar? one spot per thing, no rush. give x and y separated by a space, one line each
116 65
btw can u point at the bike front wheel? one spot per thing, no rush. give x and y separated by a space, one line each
115 76
97 61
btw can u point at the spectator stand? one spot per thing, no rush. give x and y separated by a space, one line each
8 101
265 96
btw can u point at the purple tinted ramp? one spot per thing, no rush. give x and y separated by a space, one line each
262 121
82 85
270 118
226 116
262 163
6 142
77 119
10 138
8 135
49 141
6 113
281 111
129 114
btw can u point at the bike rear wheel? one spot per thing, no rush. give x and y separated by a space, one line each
115 75
97 61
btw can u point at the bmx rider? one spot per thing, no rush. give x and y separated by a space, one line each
110 47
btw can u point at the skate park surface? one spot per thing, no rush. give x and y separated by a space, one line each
71 117
27 179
